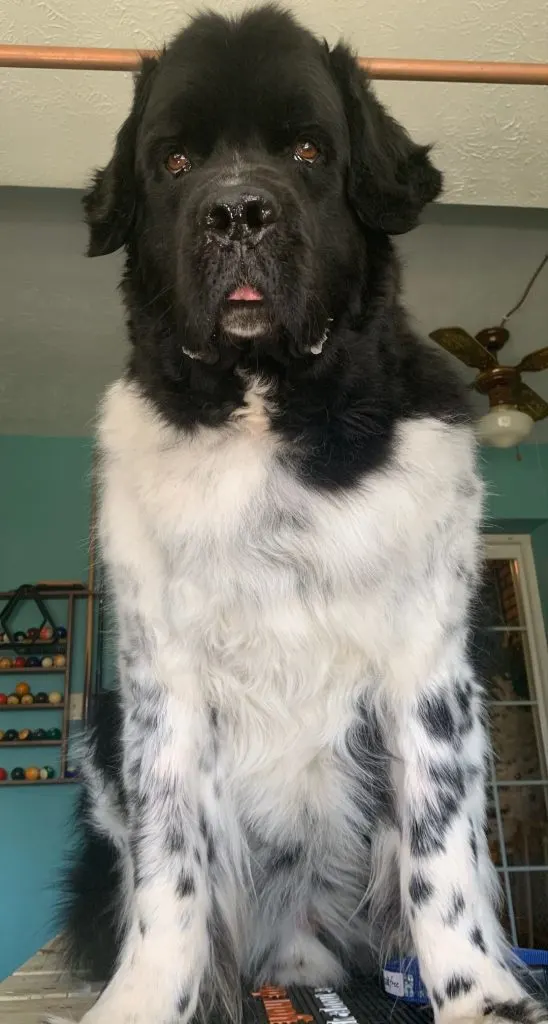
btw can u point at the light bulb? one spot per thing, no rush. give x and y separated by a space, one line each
504 426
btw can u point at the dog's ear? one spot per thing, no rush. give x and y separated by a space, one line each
390 177
109 202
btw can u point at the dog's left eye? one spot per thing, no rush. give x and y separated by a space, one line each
307 152
178 163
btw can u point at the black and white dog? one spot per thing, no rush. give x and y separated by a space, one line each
290 519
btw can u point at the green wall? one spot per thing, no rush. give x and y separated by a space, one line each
44 517
44 535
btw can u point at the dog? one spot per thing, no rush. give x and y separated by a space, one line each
291 772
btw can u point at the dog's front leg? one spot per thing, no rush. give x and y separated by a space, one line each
169 757
446 874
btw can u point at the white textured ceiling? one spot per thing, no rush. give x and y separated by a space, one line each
491 140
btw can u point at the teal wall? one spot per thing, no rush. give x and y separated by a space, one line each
44 515
44 535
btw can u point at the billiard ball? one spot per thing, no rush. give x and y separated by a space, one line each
5 663
55 697
61 633
10 735
20 637
32 774
3 774
3 698
46 633
24 734
47 772
59 661
33 633
27 698
53 734
17 774
39 734
47 662
41 698
33 662
13 698
21 689
20 662
71 773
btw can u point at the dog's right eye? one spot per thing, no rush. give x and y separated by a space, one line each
178 163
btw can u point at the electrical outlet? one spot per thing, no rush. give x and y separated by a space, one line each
76 706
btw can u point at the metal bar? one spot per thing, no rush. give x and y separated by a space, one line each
522 782
406 70
503 629
513 703
90 606
503 855
521 870
67 688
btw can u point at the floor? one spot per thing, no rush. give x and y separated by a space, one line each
40 987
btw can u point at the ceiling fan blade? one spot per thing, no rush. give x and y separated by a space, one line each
534 361
466 348
528 401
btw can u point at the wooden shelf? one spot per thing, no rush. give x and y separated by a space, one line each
37 782
34 671
6 744
31 707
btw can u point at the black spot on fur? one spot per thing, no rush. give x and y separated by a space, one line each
286 859
458 985
473 842
463 694
435 714
142 928
521 1011
214 717
185 884
174 839
456 908
183 1004
427 830
438 998
448 775
420 889
477 939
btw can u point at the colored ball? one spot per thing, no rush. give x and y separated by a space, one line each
3 774
55 697
41 698
13 698
5 663
20 636
20 662
33 633
27 698
61 633
71 773
32 774
21 689
33 662
24 734
10 735
3 698
39 734
59 661
17 774
46 633
53 734
47 772
47 662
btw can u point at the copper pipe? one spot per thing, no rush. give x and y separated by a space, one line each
90 604
98 59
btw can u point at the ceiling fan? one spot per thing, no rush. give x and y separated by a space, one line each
513 406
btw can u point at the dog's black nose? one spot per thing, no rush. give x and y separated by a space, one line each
241 214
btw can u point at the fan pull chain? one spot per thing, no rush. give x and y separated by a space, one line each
530 284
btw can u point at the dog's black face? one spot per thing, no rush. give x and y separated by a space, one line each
248 183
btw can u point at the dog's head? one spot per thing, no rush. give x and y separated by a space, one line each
247 183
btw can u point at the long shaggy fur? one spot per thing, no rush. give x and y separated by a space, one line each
291 774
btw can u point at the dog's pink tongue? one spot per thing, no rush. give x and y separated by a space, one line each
245 294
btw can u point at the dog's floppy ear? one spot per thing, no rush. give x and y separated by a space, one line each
109 202
390 177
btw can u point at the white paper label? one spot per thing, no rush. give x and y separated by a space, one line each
393 983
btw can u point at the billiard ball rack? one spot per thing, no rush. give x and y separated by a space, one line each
15 645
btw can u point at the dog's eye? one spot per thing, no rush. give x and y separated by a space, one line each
307 152
178 163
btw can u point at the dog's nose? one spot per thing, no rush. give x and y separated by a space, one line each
238 214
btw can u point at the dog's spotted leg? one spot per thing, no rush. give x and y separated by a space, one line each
169 746
446 874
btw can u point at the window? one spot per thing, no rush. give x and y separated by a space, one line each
512 651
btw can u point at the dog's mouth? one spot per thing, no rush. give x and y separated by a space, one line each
245 312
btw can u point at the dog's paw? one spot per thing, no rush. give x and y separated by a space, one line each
516 1011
